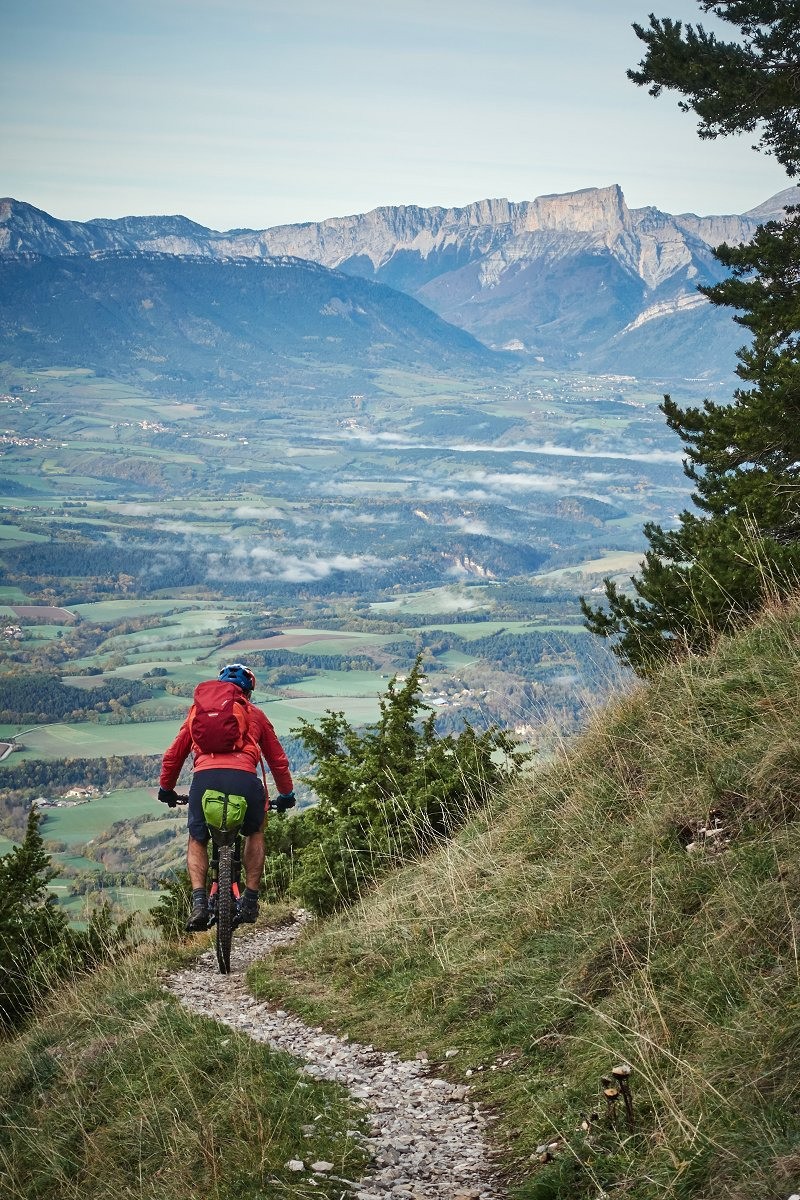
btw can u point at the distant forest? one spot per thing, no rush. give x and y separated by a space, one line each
29 698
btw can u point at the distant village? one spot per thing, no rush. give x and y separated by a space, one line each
70 799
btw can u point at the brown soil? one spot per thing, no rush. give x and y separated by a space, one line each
51 616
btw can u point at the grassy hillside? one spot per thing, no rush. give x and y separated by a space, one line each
591 923
120 1092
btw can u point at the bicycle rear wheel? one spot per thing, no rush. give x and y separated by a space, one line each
225 909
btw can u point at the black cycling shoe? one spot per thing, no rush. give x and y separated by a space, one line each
247 911
198 919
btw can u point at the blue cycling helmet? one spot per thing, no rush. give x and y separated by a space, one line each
239 674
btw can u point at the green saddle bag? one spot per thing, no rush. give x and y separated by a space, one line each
222 811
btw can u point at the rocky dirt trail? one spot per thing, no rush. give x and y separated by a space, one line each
427 1139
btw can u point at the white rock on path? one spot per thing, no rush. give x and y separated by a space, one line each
426 1139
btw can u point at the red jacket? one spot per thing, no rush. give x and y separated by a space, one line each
264 737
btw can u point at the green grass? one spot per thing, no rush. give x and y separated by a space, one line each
120 1092
178 672
13 533
85 739
456 660
124 900
176 630
86 821
43 633
354 643
187 650
613 562
132 899
121 610
286 714
73 860
334 685
438 600
571 931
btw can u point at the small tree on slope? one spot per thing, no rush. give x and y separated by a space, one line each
37 945
743 546
387 795
33 928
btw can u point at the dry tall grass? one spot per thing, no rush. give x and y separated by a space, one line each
121 1092
635 901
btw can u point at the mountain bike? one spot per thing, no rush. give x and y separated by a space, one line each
226 871
224 816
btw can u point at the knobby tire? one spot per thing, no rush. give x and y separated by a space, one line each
225 909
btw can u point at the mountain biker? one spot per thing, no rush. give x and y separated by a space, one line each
234 773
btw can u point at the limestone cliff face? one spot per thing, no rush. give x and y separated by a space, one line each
653 245
774 208
558 276
592 210
646 240
27 230
381 234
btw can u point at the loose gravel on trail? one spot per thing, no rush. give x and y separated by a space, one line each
427 1139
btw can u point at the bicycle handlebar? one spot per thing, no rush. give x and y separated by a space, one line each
171 799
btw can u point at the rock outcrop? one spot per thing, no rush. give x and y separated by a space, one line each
560 277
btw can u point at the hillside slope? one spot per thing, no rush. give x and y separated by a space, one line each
635 902
187 323
117 1091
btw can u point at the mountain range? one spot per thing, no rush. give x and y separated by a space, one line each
177 324
579 278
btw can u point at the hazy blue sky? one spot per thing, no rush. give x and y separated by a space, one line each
258 112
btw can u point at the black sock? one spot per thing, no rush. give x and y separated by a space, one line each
251 893
198 895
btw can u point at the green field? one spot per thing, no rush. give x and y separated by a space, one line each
85 739
80 824
43 633
188 652
438 600
167 655
77 861
121 610
284 714
179 672
353 643
611 563
13 533
336 684
456 659
133 899
176 628
304 640
129 899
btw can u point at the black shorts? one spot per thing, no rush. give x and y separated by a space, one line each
233 783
